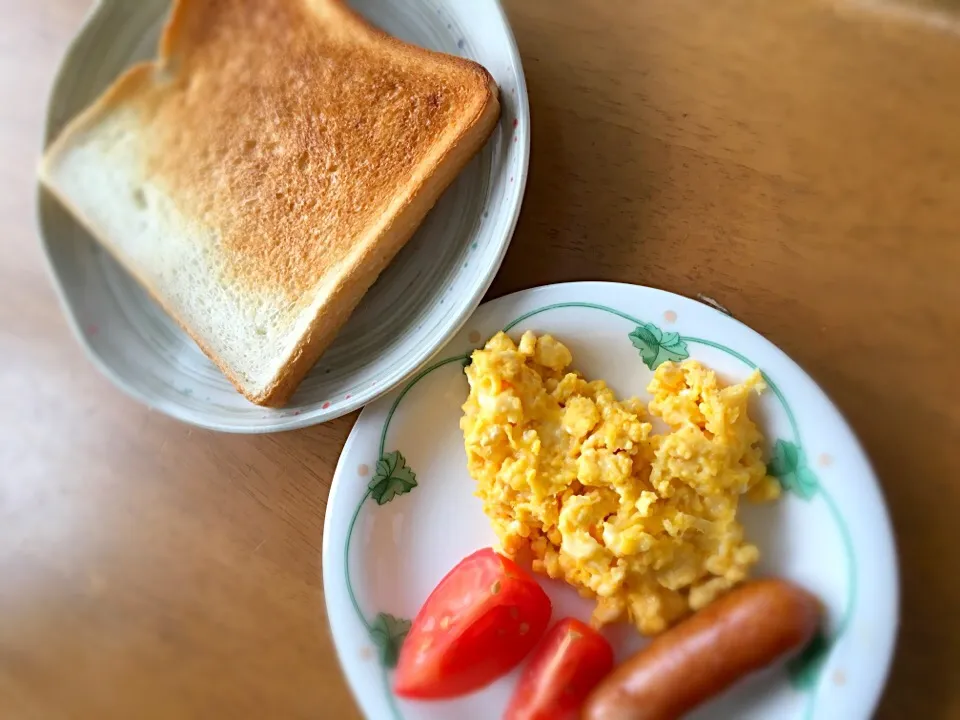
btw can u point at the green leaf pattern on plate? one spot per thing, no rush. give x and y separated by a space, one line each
804 669
392 478
388 633
789 465
657 347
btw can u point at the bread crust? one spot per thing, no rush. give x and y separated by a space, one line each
338 182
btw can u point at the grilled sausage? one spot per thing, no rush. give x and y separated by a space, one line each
738 633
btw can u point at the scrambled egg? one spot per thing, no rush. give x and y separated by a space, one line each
644 523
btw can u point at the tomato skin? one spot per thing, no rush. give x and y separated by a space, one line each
570 662
483 618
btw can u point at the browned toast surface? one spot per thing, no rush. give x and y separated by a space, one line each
292 125
299 146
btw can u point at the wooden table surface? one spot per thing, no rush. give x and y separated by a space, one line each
798 161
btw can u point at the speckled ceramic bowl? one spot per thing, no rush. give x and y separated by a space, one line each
417 305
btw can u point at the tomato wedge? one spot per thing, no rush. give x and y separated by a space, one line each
566 667
478 623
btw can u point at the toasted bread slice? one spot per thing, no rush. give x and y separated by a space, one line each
259 175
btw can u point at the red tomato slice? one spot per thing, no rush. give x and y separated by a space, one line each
569 663
478 623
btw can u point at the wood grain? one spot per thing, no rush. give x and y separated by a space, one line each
799 162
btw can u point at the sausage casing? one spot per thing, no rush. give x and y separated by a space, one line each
742 631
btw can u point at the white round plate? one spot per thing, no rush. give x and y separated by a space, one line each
829 532
416 306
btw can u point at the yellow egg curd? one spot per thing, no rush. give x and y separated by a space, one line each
578 481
